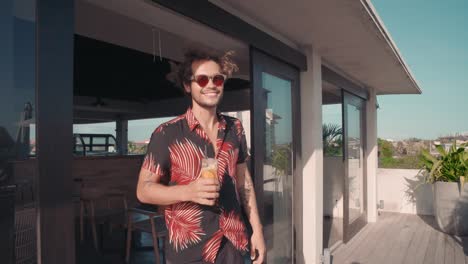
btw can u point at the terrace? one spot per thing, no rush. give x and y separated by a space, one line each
402 238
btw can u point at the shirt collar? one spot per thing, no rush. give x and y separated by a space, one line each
222 121
193 122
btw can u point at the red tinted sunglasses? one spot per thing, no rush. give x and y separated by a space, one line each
202 79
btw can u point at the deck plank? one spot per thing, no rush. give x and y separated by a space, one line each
440 248
403 241
345 250
418 246
368 229
459 257
363 245
386 248
363 253
465 248
431 249
449 250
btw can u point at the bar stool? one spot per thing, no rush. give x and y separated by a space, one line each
153 222
89 198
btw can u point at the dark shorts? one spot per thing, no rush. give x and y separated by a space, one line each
227 254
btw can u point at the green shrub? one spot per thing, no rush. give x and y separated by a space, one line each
448 166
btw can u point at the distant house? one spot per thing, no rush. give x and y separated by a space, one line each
447 143
143 143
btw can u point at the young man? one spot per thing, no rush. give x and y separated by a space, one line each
203 216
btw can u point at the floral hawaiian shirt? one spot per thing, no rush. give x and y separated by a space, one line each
175 151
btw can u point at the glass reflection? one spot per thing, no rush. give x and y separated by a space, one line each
333 164
355 168
277 169
17 135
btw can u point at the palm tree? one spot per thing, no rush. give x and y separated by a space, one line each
332 136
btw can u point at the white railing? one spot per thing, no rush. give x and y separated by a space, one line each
404 191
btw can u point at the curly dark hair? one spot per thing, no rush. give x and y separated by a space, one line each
185 69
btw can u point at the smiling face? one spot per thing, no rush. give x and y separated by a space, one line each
210 95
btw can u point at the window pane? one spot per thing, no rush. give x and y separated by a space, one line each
278 169
333 164
355 168
17 125
139 133
94 137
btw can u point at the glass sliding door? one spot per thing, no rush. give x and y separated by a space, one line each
333 164
355 192
275 116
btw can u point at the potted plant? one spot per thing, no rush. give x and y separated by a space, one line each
448 172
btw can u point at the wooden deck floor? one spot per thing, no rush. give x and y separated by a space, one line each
402 238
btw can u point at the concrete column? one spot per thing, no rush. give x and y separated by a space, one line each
54 30
309 217
121 129
371 155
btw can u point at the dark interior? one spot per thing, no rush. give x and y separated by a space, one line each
104 70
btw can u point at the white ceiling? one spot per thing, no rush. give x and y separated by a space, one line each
142 26
347 33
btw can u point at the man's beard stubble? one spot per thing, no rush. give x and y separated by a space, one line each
205 105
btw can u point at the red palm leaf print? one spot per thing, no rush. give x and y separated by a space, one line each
239 128
210 250
185 158
227 162
227 158
183 222
150 164
201 133
234 229
175 120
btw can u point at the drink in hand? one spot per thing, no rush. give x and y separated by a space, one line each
209 168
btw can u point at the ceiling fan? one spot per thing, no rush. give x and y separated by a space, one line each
99 103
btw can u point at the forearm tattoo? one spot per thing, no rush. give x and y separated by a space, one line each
150 178
246 191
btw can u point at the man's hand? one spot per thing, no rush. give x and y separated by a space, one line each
202 191
257 248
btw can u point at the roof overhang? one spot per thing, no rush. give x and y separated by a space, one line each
349 36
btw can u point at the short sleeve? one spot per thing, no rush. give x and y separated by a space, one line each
243 149
157 155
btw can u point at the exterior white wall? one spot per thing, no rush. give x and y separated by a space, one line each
371 156
404 191
309 188
244 116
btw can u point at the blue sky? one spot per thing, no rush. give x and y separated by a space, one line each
432 36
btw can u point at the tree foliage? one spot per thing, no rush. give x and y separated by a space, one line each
332 136
281 159
133 148
387 158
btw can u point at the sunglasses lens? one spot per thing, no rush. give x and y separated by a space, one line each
202 80
218 80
